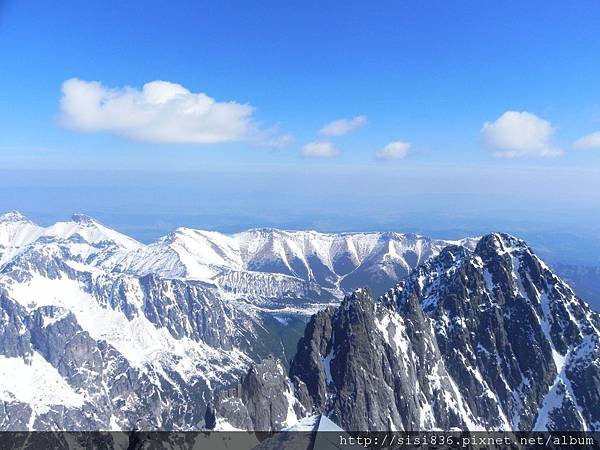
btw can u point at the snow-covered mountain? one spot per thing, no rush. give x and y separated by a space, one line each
113 333
128 332
83 238
16 231
489 339
295 261
256 265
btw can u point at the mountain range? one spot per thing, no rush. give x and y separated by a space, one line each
101 332
489 339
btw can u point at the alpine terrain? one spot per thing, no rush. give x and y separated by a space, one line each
489 339
98 331
269 329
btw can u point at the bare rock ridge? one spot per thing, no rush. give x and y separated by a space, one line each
263 400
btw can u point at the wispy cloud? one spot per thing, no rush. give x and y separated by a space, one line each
320 149
590 141
395 150
517 134
341 127
159 112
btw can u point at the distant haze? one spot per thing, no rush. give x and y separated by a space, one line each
559 210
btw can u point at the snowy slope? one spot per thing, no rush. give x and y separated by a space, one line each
83 238
16 231
35 382
335 263
325 264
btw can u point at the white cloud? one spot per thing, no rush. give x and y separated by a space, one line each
516 134
272 138
160 112
320 149
343 126
394 150
591 141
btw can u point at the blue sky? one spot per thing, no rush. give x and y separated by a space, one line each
423 77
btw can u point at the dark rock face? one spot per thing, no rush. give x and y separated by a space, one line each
364 378
263 401
489 339
307 366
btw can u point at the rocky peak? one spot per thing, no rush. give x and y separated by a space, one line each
83 219
13 217
489 339
263 400
499 244
451 254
